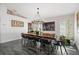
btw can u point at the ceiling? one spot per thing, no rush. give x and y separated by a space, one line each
46 9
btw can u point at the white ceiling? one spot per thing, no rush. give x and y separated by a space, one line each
46 9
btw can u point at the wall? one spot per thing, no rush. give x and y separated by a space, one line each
67 19
0 24
75 31
9 33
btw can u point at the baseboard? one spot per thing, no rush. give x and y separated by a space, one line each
8 41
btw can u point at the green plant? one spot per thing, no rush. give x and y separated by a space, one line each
66 41
37 32
32 31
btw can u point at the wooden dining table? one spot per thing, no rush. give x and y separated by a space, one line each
48 38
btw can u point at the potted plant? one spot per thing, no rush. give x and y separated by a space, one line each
31 31
65 40
37 32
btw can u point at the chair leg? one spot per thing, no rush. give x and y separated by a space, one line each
38 45
51 49
65 50
56 48
61 50
22 42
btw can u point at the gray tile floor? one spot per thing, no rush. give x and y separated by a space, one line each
15 48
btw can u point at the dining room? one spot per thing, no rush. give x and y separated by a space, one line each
39 28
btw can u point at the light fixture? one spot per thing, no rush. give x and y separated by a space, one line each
37 17
37 22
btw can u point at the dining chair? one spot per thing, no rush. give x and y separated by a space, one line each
24 40
30 40
46 45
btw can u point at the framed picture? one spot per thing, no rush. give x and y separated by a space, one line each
78 21
15 23
49 26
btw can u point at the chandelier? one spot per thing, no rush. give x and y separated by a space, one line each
37 22
37 17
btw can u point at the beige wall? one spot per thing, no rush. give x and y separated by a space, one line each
76 33
69 19
7 32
